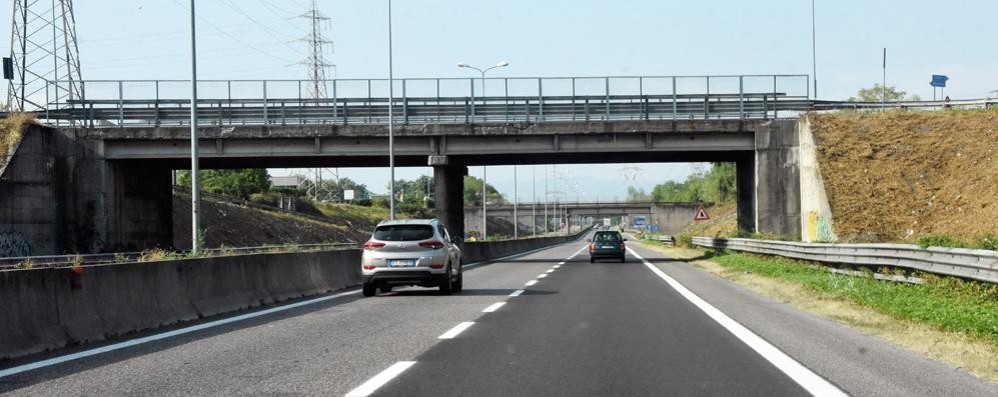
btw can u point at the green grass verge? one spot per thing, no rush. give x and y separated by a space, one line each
945 303
358 216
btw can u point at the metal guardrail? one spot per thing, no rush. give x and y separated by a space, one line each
981 265
125 103
127 257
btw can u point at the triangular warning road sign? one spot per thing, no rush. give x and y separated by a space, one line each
701 215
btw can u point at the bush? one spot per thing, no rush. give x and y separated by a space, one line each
380 202
940 240
987 241
684 240
265 198
364 202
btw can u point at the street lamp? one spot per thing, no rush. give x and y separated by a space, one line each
195 168
391 120
484 167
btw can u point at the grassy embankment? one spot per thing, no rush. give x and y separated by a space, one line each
945 318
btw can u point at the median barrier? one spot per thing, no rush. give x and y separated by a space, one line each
54 307
50 308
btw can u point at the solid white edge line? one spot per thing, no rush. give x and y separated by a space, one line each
531 283
450 334
493 307
164 335
810 381
516 293
372 385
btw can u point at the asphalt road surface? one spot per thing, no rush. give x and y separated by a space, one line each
547 323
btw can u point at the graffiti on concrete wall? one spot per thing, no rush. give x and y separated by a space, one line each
13 244
819 228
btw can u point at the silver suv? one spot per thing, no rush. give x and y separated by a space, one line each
411 252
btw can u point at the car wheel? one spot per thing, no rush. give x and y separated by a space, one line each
385 289
592 260
446 285
623 259
369 289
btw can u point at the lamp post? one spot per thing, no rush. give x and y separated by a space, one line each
391 120
484 167
195 168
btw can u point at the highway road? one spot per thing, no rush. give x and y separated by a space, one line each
546 323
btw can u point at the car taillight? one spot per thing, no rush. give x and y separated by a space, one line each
622 246
436 266
373 245
434 244
368 267
592 247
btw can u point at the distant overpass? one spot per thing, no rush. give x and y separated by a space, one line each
668 217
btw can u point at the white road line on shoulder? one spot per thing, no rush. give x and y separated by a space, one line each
531 282
456 330
380 379
493 307
810 381
516 293
165 335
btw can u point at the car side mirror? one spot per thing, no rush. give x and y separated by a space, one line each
625 239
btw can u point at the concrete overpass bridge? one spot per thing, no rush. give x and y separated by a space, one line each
669 217
119 168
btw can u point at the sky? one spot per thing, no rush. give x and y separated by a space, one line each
259 39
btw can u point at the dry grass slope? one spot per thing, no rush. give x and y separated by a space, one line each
901 175
10 134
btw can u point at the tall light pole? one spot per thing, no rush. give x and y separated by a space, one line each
484 167
391 120
533 206
195 169
814 52
516 197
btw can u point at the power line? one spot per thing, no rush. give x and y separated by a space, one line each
234 38
266 29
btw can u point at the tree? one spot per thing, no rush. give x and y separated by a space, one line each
473 193
236 183
717 186
636 195
874 94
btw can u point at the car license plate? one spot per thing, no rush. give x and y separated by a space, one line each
607 247
402 263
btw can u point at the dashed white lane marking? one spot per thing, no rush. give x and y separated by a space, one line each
809 380
516 293
493 307
380 379
549 271
531 282
561 263
542 275
556 266
456 330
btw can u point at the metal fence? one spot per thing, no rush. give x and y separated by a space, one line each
127 103
981 265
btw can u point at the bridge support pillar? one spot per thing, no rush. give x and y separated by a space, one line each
448 180
745 187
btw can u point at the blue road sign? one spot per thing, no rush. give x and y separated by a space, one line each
938 80
640 220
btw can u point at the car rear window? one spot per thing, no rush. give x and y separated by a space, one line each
403 232
607 237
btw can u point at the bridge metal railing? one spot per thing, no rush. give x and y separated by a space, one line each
981 265
125 103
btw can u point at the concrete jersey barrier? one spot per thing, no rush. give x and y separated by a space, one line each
50 308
